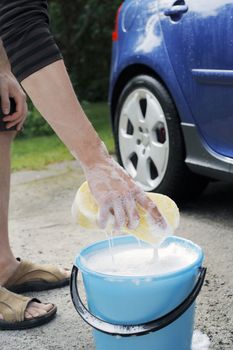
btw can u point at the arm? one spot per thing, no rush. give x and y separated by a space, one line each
114 190
44 78
9 87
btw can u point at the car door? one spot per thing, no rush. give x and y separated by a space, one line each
198 36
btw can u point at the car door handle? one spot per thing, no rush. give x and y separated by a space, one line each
176 10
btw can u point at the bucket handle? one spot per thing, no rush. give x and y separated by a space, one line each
138 329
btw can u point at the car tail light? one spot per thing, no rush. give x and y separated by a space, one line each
115 32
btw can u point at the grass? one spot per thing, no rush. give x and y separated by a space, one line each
37 152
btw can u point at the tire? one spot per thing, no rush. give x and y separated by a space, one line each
142 140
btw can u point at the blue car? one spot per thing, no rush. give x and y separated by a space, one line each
171 93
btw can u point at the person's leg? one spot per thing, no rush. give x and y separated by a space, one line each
8 263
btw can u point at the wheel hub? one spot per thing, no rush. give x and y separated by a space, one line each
145 139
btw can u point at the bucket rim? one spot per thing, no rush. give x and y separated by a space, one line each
130 238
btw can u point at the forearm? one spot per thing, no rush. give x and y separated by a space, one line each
51 92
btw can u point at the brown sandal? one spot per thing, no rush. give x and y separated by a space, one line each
13 307
30 277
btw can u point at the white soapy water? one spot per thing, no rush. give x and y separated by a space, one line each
110 245
155 254
132 260
200 341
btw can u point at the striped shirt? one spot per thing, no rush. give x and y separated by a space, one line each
24 30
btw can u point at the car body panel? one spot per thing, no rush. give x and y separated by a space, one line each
201 159
200 47
133 48
144 39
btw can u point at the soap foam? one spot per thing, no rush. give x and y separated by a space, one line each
135 260
200 341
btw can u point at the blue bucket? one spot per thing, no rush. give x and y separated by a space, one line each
142 312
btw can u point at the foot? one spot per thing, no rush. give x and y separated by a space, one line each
9 266
19 312
7 269
34 309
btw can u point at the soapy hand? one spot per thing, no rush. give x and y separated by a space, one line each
117 194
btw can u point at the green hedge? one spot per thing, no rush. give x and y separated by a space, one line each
83 32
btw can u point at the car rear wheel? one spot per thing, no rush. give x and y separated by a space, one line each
149 141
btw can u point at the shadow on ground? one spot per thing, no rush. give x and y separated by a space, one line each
215 203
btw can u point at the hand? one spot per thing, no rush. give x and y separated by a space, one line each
9 87
116 193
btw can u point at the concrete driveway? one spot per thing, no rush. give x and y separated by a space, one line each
42 230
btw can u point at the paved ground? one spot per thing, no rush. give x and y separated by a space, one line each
41 229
